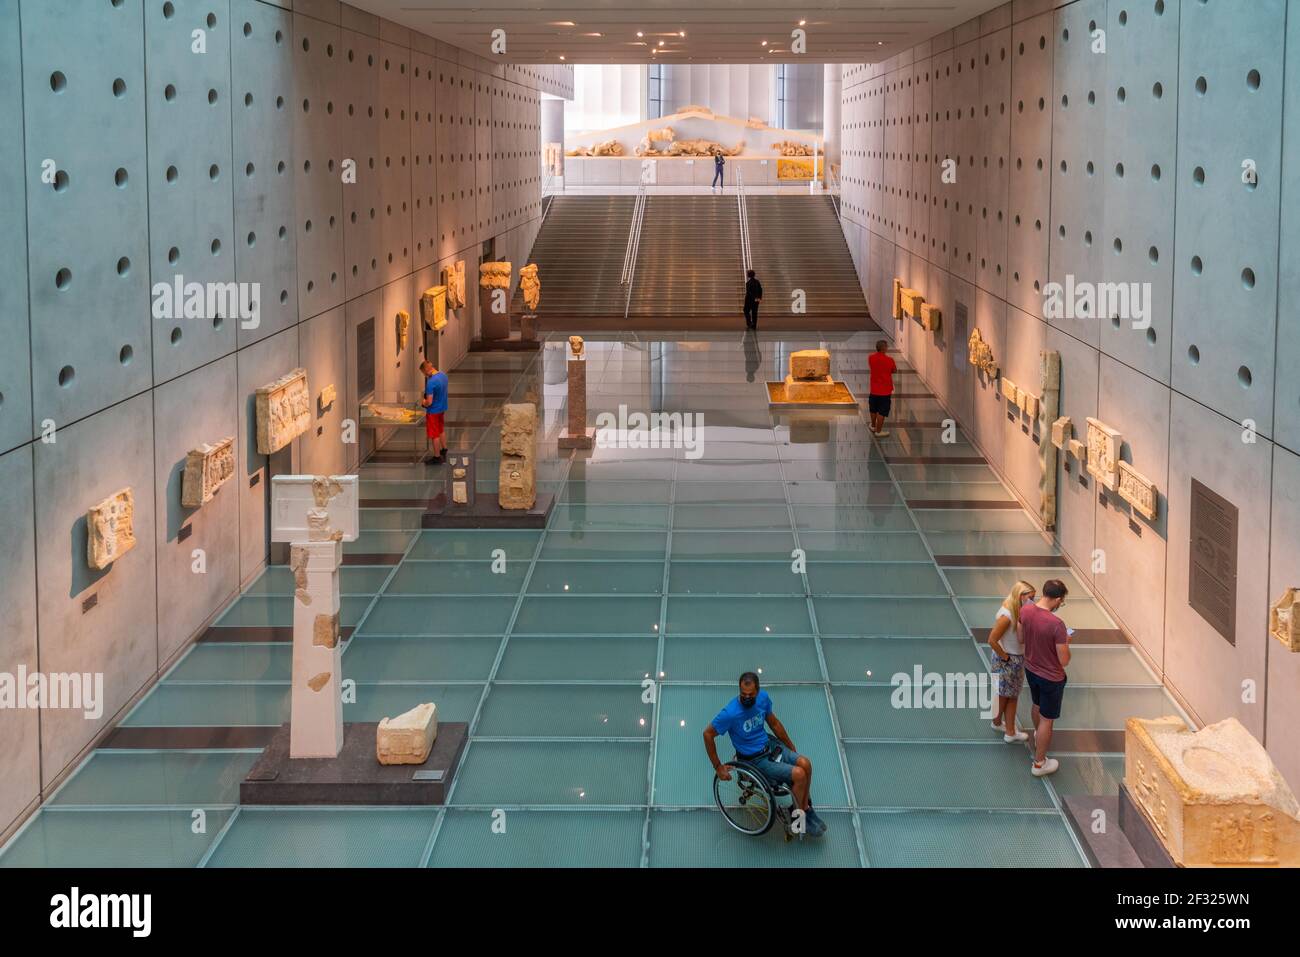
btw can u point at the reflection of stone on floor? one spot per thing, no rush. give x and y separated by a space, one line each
809 383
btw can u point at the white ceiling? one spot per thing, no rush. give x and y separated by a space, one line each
716 31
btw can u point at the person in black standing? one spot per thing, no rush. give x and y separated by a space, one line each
718 164
753 296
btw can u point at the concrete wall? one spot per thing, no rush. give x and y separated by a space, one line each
1126 164
220 164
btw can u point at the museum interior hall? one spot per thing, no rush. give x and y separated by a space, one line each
627 434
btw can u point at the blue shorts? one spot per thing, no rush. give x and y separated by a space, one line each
1046 694
776 762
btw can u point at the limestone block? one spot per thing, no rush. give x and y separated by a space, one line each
453 278
408 738
517 479
824 389
792 148
980 354
110 529
810 364
1049 405
1031 405
326 397
1283 623
1213 796
1062 431
897 311
912 301
531 285
1138 490
403 319
1079 449
1103 452
325 630
1009 390
433 307
1020 398
931 316
283 411
207 468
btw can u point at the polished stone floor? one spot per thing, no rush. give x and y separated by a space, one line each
803 548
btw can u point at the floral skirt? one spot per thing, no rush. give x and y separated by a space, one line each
1011 675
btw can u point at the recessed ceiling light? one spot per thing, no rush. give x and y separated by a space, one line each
803 22
563 23
661 42
681 33
561 56
593 34
640 34
764 43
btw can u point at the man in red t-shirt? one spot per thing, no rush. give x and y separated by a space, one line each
882 387
1047 652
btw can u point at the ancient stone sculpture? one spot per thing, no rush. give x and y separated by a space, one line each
517 485
809 379
389 412
110 529
1138 490
494 275
912 301
1079 449
1213 797
980 354
283 411
326 397
791 148
647 145
1009 390
703 148
1030 405
1062 432
898 301
453 277
606 148
207 468
408 738
531 285
810 364
576 346
433 308
1103 452
930 317
403 328
576 434
696 108
1049 361
1283 623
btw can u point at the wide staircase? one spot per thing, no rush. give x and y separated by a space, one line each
688 270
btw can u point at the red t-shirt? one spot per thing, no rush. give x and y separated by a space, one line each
882 373
1040 633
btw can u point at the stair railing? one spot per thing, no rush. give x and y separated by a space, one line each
742 211
633 246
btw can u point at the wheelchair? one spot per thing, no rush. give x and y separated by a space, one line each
751 802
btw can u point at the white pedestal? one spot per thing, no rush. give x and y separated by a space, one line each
316 708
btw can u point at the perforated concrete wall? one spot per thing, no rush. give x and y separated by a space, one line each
146 140
1113 142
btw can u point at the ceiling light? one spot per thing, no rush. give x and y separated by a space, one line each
681 33
661 42
561 56
803 23
640 34
764 43
593 34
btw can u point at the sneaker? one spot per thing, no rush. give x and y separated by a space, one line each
1013 738
882 433
997 725
1047 767
816 826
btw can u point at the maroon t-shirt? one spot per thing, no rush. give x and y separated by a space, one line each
1041 632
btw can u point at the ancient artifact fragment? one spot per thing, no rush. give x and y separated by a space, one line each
1213 797
930 317
647 145
1103 452
911 302
1138 490
403 328
1062 432
1030 405
494 299
110 529
1079 449
898 301
390 412
517 485
283 411
408 738
326 397
809 379
576 434
980 354
207 468
576 346
1009 390
791 148
1283 623
433 308
1049 365
453 277
531 285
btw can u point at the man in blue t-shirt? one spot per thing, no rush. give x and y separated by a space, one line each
434 401
744 718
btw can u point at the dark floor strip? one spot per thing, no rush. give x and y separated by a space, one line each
189 737
913 395
259 633
1002 561
1082 740
423 503
978 503
934 460
1082 636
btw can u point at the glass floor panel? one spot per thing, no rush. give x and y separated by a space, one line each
547 660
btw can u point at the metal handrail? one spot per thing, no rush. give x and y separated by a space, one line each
834 178
633 230
742 211
638 215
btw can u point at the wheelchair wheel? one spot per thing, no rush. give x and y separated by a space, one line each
745 801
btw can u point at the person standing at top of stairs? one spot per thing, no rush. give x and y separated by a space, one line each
718 164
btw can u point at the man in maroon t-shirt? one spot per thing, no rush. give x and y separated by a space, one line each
1047 652
882 386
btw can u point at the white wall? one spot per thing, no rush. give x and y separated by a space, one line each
606 95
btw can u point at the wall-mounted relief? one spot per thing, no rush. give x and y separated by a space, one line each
531 285
931 316
897 310
517 486
1021 397
433 308
912 302
1138 490
1009 391
403 320
494 275
1103 452
1079 449
1282 621
1031 405
283 411
207 468
1062 431
110 529
453 277
326 398
1049 364
980 354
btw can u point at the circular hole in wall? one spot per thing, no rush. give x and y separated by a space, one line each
123 266
60 181
58 82
1248 278
120 178
1198 176
216 247
1193 355
1252 80
214 171
1197 265
172 174
169 10
1244 377
173 255
63 278
119 87
1202 87
169 92
66 375
125 355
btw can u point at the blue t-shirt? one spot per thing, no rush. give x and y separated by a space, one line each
747 726
436 389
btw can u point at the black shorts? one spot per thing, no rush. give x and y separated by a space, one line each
1046 694
879 404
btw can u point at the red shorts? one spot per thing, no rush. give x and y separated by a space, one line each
433 424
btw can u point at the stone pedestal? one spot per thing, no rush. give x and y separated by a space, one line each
528 327
577 435
810 390
517 480
316 707
494 312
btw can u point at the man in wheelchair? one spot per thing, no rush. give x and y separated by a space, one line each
772 754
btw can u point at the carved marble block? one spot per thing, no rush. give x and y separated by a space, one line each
283 411
494 275
1283 623
207 468
810 364
315 699
1079 449
1103 452
531 285
1213 797
403 319
1049 376
110 529
898 301
1021 398
327 397
433 308
408 738
453 277
931 316
912 301
517 485
576 346
1138 490
980 354
1062 431
1030 405
1009 391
